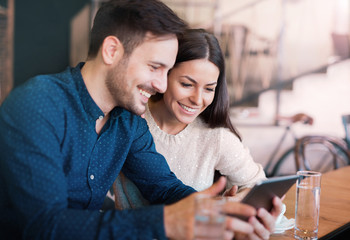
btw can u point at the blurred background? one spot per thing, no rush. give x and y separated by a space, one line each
283 57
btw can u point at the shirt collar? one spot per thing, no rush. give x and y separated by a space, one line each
117 111
89 105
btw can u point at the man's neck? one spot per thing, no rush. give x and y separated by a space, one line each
94 79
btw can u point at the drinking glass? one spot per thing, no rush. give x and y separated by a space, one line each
209 218
307 208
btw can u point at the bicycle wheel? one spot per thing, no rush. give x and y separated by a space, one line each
289 167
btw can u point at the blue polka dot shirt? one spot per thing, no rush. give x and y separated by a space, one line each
55 170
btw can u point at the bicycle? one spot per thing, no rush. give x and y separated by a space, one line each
337 152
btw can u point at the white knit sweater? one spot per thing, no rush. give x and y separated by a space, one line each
195 152
193 155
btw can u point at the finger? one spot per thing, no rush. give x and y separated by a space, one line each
254 237
277 207
239 226
251 236
237 208
283 197
228 235
259 229
216 188
267 219
232 191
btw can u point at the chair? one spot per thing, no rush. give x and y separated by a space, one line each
328 149
346 124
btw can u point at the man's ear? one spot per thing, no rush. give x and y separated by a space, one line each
112 50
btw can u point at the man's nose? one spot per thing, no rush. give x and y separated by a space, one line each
160 83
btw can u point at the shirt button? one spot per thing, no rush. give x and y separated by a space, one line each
100 117
92 177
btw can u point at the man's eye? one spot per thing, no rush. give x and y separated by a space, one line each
154 67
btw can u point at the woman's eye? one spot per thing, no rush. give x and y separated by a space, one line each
211 89
186 84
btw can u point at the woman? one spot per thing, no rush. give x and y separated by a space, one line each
191 126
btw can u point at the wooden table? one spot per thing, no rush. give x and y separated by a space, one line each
335 203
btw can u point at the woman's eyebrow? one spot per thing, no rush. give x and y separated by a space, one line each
211 84
189 78
194 81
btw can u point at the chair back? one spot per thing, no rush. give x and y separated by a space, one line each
346 124
337 148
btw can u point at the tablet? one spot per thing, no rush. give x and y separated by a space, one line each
261 195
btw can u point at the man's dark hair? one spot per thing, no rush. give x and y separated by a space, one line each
130 20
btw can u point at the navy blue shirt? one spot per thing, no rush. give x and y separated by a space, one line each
55 170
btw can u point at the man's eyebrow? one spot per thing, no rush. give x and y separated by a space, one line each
194 81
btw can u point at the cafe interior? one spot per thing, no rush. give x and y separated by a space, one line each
287 61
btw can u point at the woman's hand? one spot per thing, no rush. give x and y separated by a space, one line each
233 195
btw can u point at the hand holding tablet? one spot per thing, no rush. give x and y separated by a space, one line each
261 195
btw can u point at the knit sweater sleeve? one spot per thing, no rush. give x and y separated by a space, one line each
236 162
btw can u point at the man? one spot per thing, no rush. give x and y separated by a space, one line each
65 137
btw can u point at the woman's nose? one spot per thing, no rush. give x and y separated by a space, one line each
196 97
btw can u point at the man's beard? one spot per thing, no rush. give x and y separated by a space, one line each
121 92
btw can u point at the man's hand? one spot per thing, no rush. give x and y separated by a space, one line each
179 217
266 223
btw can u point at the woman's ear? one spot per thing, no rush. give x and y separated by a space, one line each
112 50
